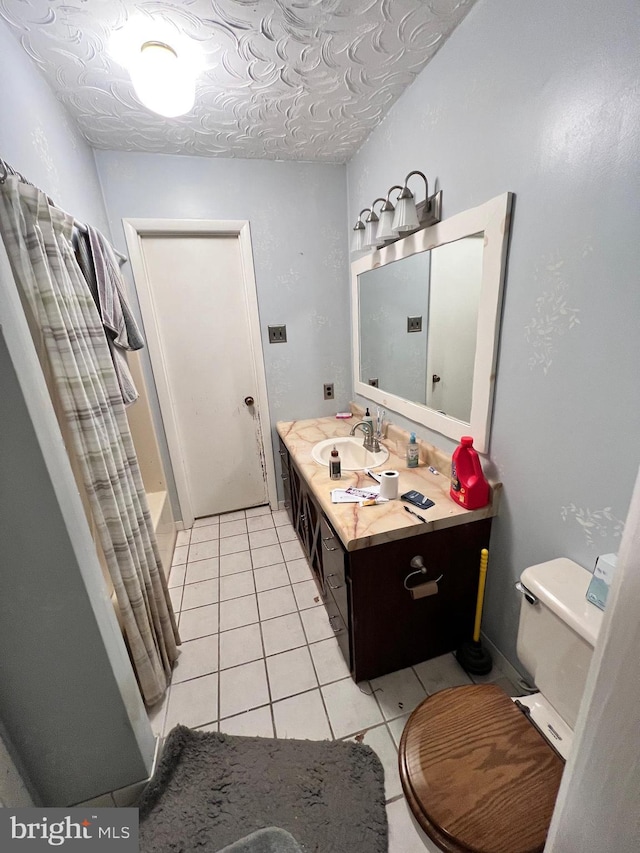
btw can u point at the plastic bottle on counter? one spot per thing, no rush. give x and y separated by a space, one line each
469 487
335 472
412 452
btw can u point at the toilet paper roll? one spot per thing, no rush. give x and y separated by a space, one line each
389 485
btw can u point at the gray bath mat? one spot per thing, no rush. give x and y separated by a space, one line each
212 789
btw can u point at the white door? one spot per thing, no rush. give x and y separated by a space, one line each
193 297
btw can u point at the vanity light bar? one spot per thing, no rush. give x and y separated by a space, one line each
396 220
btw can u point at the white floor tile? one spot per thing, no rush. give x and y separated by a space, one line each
268 556
280 517
329 661
234 586
175 594
197 657
203 550
382 744
243 688
256 723
183 537
282 634
231 516
205 533
286 533
180 555
193 703
176 575
232 528
202 570
306 594
291 672
276 602
299 570
209 519
440 673
350 710
292 550
232 563
404 835
398 692
259 522
316 624
199 622
211 727
271 577
238 612
262 538
240 645
397 727
302 716
199 594
233 544
253 511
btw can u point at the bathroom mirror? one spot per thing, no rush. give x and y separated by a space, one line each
425 314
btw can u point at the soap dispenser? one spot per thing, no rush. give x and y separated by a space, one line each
412 452
367 419
334 465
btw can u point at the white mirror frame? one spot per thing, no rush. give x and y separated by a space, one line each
493 218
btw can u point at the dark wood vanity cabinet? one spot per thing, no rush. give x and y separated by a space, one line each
379 625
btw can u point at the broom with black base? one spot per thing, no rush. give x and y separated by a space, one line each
471 655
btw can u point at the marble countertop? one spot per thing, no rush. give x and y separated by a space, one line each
360 527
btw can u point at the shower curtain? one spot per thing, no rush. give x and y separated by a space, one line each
56 298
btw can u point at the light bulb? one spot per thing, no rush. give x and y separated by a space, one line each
164 83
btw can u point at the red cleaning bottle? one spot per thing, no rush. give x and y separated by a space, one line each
469 487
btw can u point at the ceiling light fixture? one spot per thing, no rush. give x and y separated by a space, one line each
162 83
396 221
163 64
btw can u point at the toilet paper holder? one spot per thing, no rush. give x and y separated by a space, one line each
421 590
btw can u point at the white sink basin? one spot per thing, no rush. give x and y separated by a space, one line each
353 456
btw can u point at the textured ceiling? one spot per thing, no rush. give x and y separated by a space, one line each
284 79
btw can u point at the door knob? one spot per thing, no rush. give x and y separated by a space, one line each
248 401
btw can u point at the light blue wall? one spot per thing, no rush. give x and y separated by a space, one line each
38 138
542 99
297 214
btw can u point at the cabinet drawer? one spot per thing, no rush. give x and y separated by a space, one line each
340 627
334 568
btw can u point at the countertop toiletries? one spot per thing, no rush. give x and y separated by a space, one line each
344 415
367 419
469 487
412 452
334 465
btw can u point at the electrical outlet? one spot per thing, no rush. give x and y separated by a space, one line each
277 334
373 383
328 390
414 324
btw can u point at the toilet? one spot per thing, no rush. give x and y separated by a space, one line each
481 771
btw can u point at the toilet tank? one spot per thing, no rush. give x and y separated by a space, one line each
557 633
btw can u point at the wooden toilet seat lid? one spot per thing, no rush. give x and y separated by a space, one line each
478 775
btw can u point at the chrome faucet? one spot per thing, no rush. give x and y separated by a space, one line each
371 442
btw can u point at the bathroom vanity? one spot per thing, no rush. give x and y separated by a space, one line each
361 556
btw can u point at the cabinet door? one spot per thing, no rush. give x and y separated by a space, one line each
336 592
391 630
285 468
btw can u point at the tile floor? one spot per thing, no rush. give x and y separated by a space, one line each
259 656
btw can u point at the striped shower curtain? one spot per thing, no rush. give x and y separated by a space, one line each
57 300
